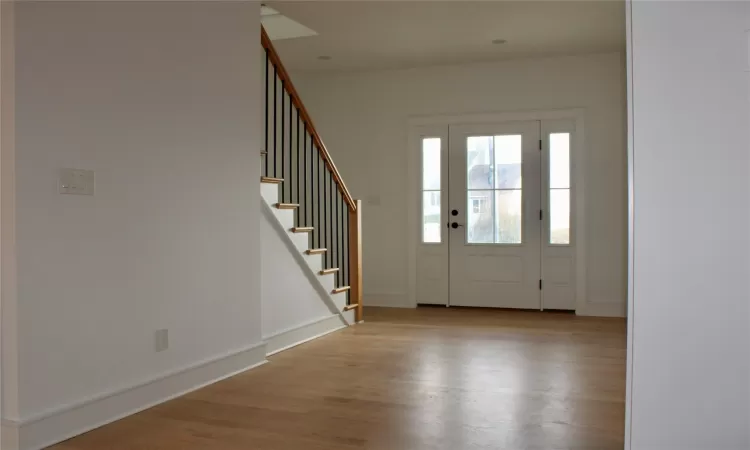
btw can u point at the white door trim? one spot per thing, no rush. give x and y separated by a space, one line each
414 188
631 233
417 125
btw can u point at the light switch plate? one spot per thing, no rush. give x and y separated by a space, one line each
76 181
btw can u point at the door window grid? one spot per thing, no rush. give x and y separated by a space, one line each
494 189
431 186
559 189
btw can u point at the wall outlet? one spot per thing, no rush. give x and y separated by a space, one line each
162 340
76 181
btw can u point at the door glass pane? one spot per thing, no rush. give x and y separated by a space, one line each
559 193
508 153
431 164
559 160
494 173
559 217
431 230
479 162
508 210
431 220
480 222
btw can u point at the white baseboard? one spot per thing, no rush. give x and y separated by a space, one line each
603 310
300 334
57 425
9 439
387 300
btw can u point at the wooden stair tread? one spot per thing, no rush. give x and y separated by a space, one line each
302 229
329 271
271 180
286 205
340 289
350 307
315 251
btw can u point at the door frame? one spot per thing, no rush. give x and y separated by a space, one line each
416 128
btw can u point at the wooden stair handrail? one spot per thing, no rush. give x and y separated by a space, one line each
305 116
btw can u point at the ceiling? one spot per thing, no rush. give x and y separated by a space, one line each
372 35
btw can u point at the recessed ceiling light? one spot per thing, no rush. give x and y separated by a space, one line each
324 58
499 41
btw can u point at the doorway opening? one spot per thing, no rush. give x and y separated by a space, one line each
498 216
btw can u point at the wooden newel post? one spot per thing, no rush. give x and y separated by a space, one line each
355 258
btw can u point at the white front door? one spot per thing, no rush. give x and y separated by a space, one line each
494 215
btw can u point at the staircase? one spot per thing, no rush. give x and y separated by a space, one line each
306 193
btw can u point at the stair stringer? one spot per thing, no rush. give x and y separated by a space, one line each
282 221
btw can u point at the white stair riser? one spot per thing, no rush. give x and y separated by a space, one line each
315 262
285 217
269 192
340 300
327 281
300 240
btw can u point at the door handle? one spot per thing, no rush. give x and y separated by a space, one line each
455 225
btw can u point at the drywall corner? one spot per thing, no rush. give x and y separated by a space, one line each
9 368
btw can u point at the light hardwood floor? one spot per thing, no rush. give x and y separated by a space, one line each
431 378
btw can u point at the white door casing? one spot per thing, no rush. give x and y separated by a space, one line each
565 271
432 269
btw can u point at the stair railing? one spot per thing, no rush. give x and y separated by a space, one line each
295 153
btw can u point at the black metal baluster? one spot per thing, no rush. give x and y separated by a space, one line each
323 226
283 103
292 177
291 155
326 189
313 185
319 197
275 104
321 200
315 191
334 234
326 231
304 174
341 239
348 251
265 145
330 217
337 236
299 166
315 188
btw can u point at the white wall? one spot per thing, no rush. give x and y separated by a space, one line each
289 298
690 342
363 118
161 100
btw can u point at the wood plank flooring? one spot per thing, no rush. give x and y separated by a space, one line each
431 378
